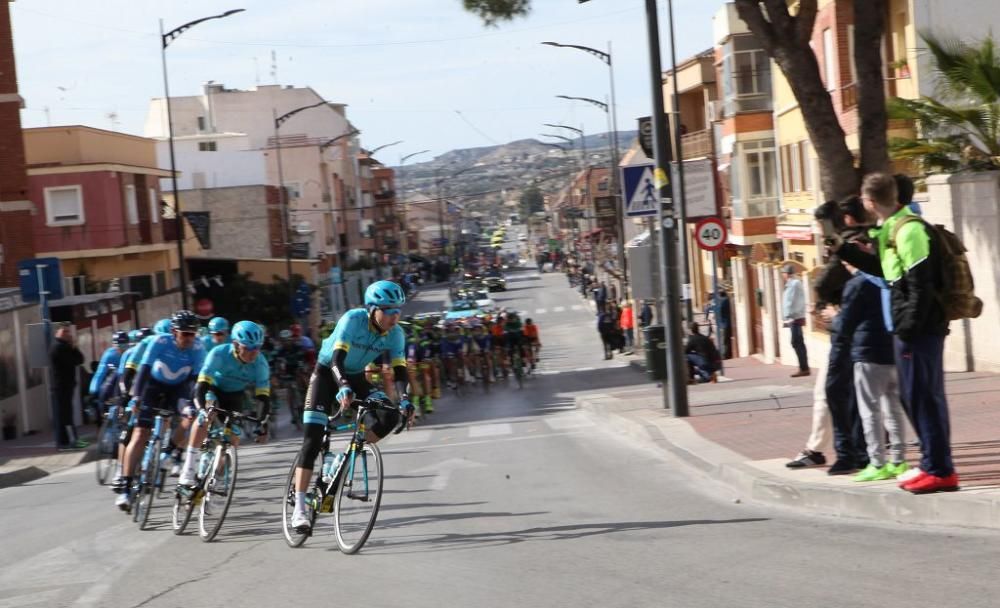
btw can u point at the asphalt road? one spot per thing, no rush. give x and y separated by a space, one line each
511 498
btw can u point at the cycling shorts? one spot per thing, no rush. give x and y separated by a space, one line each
452 349
227 402
322 396
160 395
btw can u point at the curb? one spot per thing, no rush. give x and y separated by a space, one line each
976 508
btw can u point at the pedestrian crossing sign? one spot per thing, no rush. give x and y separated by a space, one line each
641 192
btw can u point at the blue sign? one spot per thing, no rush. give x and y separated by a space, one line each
336 276
641 193
302 302
51 274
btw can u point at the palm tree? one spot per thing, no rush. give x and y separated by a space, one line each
960 127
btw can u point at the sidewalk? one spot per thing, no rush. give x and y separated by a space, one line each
744 429
29 458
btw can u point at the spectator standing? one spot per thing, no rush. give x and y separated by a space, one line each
65 358
723 317
606 328
876 390
909 260
793 306
645 314
627 322
600 296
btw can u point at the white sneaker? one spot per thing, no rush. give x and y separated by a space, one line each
187 478
176 469
300 522
121 501
911 474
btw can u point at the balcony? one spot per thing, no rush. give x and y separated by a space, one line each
759 207
696 144
385 195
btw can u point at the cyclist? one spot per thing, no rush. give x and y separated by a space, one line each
169 366
453 351
305 343
227 372
513 335
135 354
432 333
481 348
218 333
135 337
102 384
419 357
361 335
290 364
530 332
499 343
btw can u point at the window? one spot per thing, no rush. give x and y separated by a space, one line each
131 205
760 170
154 206
75 286
785 175
807 168
796 167
828 57
161 281
201 123
64 206
293 189
207 146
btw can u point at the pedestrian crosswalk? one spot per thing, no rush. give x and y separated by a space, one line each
542 311
560 422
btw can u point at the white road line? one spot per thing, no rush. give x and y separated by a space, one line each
419 436
585 369
493 441
577 307
540 311
547 372
490 430
573 420
559 309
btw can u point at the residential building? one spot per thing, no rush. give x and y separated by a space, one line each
99 210
388 222
226 138
16 208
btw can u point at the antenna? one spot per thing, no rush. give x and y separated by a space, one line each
256 71
274 67
113 117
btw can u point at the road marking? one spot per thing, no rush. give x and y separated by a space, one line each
563 422
547 372
490 430
443 470
419 436
494 441
559 309
585 369
540 311
577 307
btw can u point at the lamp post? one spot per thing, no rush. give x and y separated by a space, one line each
282 195
341 246
165 40
583 139
441 203
402 199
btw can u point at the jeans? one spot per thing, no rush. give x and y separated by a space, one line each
848 434
921 386
799 346
629 338
700 367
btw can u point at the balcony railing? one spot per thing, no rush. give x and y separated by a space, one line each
696 144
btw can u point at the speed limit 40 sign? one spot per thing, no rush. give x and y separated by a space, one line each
710 234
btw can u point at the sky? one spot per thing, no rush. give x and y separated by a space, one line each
422 71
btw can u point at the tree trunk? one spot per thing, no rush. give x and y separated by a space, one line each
873 122
786 39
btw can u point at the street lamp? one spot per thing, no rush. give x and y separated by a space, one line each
437 183
282 195
562 137
401 201
165 40
328 195
374 150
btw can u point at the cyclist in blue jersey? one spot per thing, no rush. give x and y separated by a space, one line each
166 373
454 348
361 335
218 333
227 372
102 384
135 354
480 349
121 390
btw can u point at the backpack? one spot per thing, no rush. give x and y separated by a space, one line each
958 291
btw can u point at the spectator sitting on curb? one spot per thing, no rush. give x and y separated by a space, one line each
702 356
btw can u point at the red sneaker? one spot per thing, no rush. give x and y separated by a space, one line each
917 475
932 483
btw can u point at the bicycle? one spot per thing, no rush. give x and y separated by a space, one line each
354 477
518 364
108 438
151 472
216 478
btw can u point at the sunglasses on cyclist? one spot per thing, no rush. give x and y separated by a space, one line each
188 334
391 311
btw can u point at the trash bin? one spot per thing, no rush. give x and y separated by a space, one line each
655 347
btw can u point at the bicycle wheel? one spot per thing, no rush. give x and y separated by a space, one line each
107 449
183 509
147 483
220 485
518 370
358 496
293 538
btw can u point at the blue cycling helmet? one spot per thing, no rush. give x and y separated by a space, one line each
135 335
248 334
384 294
218 325
162 326
120 338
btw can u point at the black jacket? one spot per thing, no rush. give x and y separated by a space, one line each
859 326
65 358
916 310
702 345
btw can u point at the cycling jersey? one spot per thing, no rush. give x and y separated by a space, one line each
208 341
530 332
291 358
139 350
224 370
453 345
420 349
481 342
168 364
105 369
356 336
